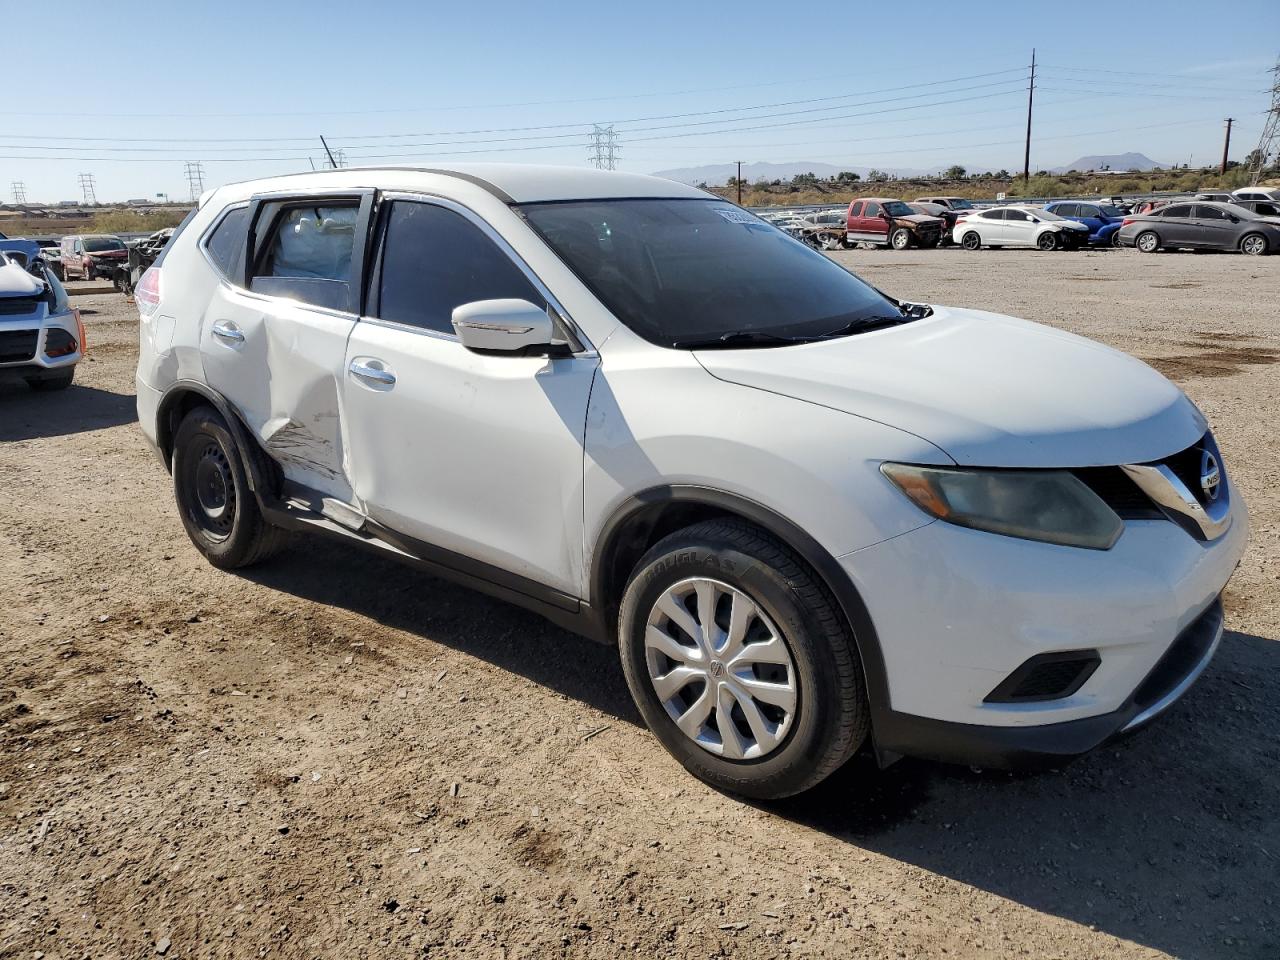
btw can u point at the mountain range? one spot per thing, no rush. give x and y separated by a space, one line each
1112 161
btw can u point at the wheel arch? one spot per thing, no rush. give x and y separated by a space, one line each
646 517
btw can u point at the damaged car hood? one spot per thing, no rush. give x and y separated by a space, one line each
987 389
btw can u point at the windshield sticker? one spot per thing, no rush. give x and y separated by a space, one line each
737 216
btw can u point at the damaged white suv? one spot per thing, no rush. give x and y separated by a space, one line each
810 515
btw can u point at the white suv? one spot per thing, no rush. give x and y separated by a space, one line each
810 516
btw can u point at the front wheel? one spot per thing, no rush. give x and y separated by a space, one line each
971 241
1047 240
1147 242
1255 245
740 662
218 510
900 239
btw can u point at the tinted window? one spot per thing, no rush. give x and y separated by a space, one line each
434 260
992 214
1267 209
873 210
309 255
685 272
1016 215
1181 210
1085 210
227 240
855 210
1067 210
1206 212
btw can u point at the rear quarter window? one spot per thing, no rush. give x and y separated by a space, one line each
225 243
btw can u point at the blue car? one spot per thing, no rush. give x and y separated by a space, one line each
1102 220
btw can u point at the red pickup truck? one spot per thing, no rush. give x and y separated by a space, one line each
890 223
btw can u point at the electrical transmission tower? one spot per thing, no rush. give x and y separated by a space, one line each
86 187
195 178
19 191
1270 132
604 147
339 157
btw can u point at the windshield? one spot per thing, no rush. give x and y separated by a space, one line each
102 244
686 272
1045 215
896 208
958 204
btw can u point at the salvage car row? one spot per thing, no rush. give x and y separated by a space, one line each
1249 224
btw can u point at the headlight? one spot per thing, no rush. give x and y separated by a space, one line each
1049 505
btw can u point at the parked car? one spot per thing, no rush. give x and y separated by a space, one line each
1216 196
41 339
1146 206
1016 226
141 254
642 412
1103 221
824 230
958 204
1263 208
945 214
89 256
1202 225
1268 194
891 223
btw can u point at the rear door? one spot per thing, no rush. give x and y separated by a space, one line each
1176 227
274 335
478 455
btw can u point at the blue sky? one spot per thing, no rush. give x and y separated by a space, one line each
247 88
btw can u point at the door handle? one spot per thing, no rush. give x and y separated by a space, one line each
227 332
372 374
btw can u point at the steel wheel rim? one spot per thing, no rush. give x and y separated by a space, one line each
1254 245
214 492
900 240
732 689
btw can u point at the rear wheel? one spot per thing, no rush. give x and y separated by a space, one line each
1254 244
1115 239
1147 242
971 240
740 662
900 239
218 510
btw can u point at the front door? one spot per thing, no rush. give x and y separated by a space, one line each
479 455
1214 228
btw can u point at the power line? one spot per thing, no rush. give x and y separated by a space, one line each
19 191
195 178
86 187
1270 131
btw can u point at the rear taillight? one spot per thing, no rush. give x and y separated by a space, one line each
147 293
1126 221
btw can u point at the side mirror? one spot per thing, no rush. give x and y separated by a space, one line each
1233 218
502 326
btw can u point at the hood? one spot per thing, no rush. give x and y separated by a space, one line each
16 282
919 219
1071 224
107 254
989 390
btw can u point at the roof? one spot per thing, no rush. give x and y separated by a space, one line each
513 182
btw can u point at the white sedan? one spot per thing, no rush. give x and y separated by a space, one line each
1018 227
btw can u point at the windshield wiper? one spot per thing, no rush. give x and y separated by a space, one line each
741 338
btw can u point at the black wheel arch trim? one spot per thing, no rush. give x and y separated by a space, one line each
818 557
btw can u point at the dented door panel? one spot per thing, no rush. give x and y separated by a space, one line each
280 363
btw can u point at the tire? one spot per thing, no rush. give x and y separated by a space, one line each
1048 241
57 270
118 281
792 611
1115 239
1147 242
1254 244
217 508
971 241
49 384
900 239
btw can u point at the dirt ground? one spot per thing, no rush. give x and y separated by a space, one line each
333 756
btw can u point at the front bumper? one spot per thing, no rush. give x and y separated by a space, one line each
957 611
1021 747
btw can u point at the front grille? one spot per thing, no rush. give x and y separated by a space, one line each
18 345
14 306
1186 467
1046 676
1119 492
1183 656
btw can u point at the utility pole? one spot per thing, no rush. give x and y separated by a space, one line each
332 163
1226 144
739 183
1031 92
19 191
1270 131
194 173
603 149
86 187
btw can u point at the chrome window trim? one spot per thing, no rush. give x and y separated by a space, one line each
415 196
